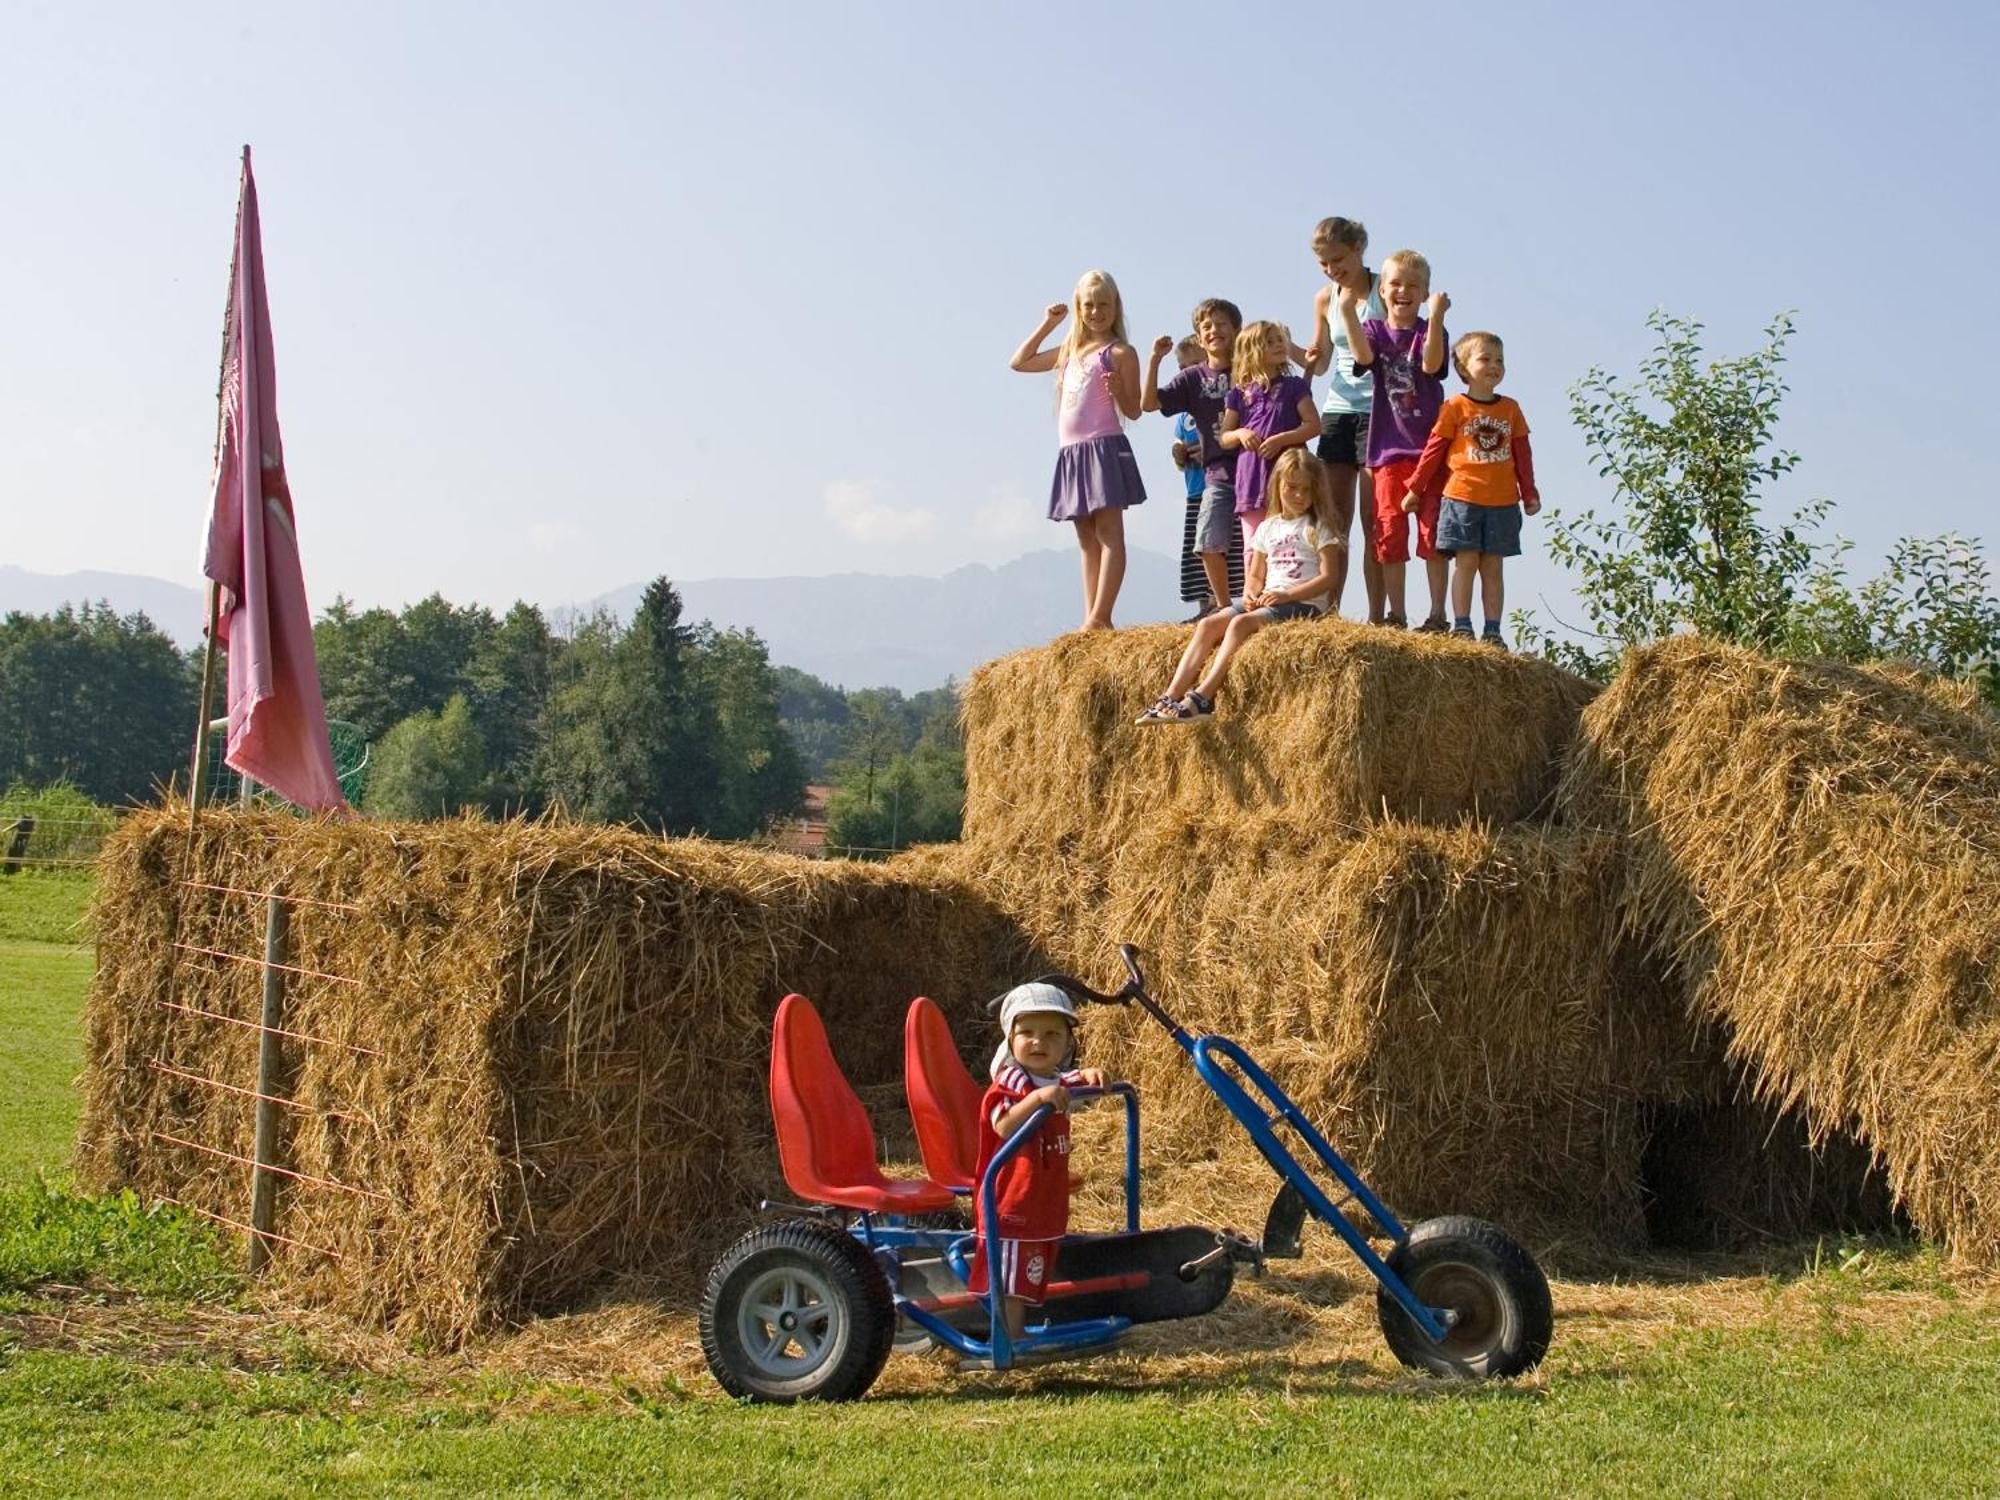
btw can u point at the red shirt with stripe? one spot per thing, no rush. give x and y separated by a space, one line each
1032 1195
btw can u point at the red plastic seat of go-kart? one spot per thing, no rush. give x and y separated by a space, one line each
825 1144
944 1099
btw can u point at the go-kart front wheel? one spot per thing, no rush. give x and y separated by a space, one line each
797 1311
1503 1318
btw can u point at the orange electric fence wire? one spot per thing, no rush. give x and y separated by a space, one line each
301 1036
305 1177
264 963
215 1083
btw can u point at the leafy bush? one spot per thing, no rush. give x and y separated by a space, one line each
48 1234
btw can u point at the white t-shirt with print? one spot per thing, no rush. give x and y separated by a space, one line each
1290 545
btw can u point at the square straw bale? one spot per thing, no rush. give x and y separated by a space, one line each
1813 851
1340 724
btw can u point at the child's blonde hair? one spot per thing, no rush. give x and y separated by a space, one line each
1076 334
1294 460
1409 260
1465 341
1248 365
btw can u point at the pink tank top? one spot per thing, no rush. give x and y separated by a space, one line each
1086 409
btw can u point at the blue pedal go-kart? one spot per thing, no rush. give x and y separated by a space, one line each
812 1306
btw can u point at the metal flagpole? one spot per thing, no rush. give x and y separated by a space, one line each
197 772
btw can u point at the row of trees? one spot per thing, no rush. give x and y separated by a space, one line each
656 723
101 701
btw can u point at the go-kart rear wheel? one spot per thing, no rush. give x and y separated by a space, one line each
797 1311
1503 1320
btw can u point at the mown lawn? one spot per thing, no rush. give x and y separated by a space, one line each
135 1360
45 965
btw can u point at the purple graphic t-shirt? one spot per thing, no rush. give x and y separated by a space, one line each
1264 409
1198 392
1406 399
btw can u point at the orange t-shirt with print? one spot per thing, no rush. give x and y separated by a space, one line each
1474 441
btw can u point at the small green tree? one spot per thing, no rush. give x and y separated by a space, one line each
1688 447
430 765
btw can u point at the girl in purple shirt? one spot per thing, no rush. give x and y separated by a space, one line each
1268 410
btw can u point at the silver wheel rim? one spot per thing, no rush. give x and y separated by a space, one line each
791 1322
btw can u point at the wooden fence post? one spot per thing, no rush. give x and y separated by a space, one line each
263 1184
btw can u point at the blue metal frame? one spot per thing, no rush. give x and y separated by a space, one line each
891 1233
1209 1054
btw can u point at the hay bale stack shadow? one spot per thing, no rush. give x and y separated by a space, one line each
1812 854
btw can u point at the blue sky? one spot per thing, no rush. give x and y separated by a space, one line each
564 300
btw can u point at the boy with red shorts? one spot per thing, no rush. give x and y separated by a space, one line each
1406 353
1031 1069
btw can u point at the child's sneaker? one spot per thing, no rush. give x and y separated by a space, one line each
1165 710
1461 632
1434 625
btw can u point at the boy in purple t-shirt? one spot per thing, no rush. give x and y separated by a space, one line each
1406 354
1199 391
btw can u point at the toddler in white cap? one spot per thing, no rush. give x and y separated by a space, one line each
1031 1070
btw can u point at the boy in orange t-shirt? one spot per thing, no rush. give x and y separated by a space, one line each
1482 439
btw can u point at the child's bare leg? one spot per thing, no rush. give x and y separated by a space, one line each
1208 630
1490 591
1342 477
1016 1314
1465 566
1392 588
1215 566
1240 629
1109 528
1436 568
1093 564
1371 570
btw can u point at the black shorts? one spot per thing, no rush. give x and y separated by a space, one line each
1343 438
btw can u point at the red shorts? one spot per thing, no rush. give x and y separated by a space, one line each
1026 1268
1389 526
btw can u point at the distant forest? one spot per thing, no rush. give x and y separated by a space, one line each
658 723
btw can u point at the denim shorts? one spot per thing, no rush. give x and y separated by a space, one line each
1492 529
1278 614
1216 523
1343 438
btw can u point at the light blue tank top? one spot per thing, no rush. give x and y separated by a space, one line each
1345 392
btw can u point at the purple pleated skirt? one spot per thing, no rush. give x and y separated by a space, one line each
1096 474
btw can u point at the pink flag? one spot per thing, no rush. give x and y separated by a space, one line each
277 719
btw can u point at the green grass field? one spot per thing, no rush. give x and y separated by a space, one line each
134 1360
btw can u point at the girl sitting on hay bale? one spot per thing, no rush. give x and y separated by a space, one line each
1294 557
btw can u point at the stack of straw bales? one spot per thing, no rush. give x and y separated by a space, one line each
564 1029
1760 911
1813 852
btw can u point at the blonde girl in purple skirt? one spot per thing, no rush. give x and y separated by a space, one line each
1097 476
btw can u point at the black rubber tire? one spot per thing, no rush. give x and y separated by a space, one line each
821 1276
1505 1318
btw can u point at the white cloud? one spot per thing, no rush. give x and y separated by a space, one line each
857 508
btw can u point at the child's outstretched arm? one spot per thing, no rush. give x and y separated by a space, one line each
1434 338
1317 355
1123 380
1031 358
1357 340
1428 477
1149 399
1293 437
1524 474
